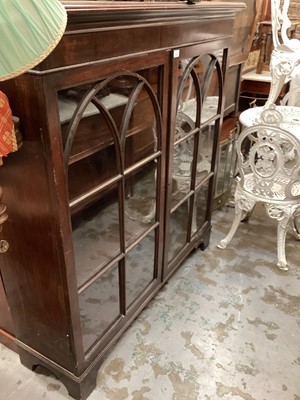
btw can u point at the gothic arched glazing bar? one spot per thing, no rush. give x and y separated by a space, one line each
208 73
90 97
189 73
213 65
140 85
128 111
217 67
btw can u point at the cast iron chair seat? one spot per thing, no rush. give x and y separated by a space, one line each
276 190
269 173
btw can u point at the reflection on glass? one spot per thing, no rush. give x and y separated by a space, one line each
99 306
96 236
182 169
140 274
188 112
200 208
90 172
90 136
198 96
93 130
205 149
140 201
141 136
226 167
178 229
205 78
86 113
207 72
187 106
187 86
209 108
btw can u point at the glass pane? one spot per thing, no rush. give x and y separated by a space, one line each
200 73
99 306
200 207
178 229
205 149
93 131
221 170
141 137
207 73
225 167
230 164
206 69
140 201
209 108
140 274
138 120
184 125
90 172
188 105
96 236
187 114
88 137
182 170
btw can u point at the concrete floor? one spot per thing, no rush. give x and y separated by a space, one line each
226 326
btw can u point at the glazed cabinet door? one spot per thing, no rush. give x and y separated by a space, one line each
112 138
198 84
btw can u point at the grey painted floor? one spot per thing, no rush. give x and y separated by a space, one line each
226 326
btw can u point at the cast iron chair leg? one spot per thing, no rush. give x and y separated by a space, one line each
281 235
237 219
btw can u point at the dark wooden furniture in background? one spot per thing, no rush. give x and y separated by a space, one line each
266 44
113 186
255 90
244 29
256 78
263 14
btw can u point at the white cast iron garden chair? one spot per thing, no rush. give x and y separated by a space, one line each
269 173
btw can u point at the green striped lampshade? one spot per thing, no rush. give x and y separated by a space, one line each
29 31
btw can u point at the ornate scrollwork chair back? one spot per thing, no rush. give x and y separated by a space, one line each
269 173
270 169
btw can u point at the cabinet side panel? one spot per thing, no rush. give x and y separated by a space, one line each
6 322
33 268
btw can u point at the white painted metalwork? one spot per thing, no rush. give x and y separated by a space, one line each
269 173
285 56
